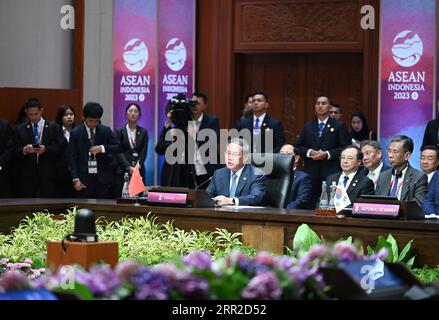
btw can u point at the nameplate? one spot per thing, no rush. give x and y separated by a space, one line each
165 197
375 209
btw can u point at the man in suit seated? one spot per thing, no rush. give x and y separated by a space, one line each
429 160
431 201
301 189
92 147
403 181
238 183
320 143
353 180
260 124
372 160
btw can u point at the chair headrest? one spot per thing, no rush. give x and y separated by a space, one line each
273 164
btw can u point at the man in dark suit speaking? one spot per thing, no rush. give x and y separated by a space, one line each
238 183
320 143
91 150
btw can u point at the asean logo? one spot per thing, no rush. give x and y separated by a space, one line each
175 54
407 48
135 55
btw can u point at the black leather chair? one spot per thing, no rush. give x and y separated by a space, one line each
278 169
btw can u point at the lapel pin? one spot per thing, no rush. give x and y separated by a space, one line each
245 178
332 129
329 126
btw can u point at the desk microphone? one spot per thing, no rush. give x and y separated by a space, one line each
203 183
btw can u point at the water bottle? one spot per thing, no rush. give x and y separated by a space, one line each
332 196
323 204
125 191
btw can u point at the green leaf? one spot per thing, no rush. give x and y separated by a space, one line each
409 263
80 290
394 247
405 251
383 243
305 238
348 240
370 250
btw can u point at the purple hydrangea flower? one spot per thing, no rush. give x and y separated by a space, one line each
315 252
169 270
101 280
4 261
265 258
382 254
264 286
14 280
236 257
284 263
346 252
125 270
199 259
193 287
150 285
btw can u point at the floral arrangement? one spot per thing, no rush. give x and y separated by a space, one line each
25 267
198 276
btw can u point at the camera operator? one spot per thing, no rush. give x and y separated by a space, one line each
173 143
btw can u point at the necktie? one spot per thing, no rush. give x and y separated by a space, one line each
321 126
395 185
345 181
92 137
233 186
256 123
36 135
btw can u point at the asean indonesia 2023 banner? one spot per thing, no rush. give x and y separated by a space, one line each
407 70
151 38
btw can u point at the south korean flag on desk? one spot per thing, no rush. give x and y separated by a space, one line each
341 199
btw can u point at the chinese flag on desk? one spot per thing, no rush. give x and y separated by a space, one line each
136 185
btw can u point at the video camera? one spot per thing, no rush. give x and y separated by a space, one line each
181 110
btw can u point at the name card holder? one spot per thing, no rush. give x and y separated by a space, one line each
167 198
173 197
386 209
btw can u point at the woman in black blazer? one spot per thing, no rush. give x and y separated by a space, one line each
134 142
65 119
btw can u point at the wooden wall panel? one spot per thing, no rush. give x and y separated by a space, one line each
299 25
292 50
293 81
12 99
